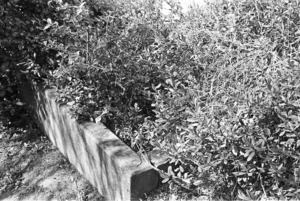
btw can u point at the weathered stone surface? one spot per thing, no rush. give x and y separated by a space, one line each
110 165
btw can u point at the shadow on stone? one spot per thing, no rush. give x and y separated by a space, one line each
109 164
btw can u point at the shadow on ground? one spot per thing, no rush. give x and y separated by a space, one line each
31 168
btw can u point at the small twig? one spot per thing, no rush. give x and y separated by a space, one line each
261 183
87 46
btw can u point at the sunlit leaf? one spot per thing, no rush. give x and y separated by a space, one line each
251 155
20 103
165 180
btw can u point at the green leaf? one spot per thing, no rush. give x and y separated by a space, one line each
193 125
269 86
49 21
20 103
197 183
241 173
242 196
47 27
170 82
192 120
165 180
158 86
170 171
250 157
298 143
171 186
234 150
185 176
71 103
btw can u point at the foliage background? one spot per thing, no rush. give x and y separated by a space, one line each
216 89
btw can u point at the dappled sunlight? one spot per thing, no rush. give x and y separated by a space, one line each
98 154
35 170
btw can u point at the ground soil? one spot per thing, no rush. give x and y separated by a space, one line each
31 168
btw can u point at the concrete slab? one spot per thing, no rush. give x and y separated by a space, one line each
109 164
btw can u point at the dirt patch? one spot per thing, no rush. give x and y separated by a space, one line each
31 168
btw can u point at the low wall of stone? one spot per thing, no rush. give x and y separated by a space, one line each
109 164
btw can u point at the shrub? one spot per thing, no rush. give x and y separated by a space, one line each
218 90
110 60
21 49
236 121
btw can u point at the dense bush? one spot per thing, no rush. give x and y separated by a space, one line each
236 122
22 52
110 57
216 89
